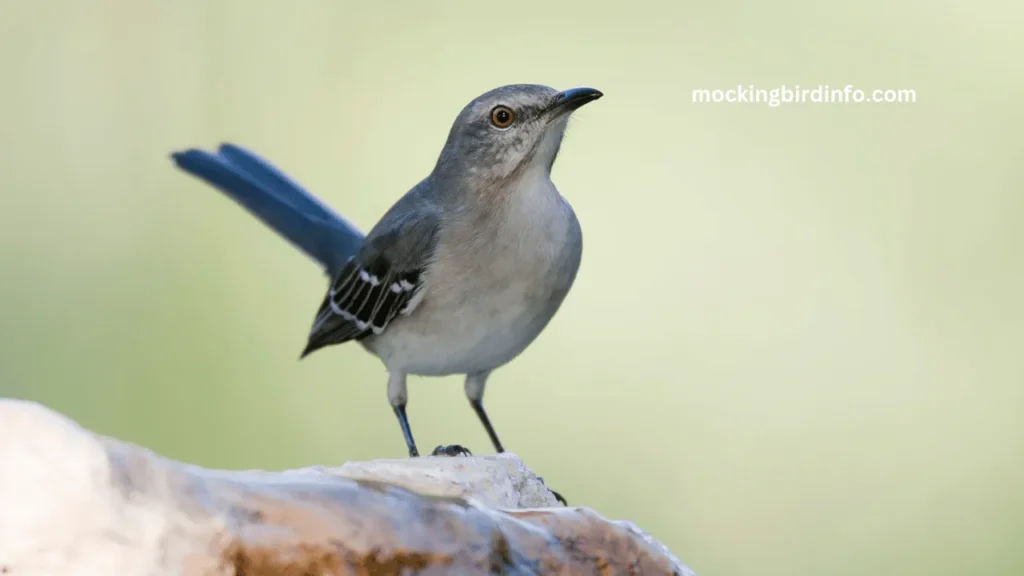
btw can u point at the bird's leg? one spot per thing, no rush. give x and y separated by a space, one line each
475 392
398 396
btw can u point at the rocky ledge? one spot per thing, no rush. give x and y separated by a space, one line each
76 503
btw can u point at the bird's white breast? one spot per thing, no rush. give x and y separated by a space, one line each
489 291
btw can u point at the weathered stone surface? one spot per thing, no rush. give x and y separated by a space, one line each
75 503
500 481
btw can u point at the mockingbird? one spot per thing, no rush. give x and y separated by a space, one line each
463 272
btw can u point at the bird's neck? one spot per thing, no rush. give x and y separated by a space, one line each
524 210
532 194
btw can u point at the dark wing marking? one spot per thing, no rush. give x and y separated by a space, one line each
363 299
385 278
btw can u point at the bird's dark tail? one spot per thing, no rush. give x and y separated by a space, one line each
278 201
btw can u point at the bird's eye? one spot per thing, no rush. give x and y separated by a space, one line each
502 116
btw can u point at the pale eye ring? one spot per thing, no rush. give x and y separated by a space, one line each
502 117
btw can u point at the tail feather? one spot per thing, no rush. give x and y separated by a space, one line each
276 181
276 200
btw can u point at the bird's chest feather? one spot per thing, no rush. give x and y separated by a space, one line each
487 295
522 260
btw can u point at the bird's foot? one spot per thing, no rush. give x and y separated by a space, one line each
451 450
558 496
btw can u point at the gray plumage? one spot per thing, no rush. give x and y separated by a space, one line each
470 265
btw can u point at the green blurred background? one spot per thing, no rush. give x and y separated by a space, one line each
795 344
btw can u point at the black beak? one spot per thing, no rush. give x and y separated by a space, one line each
571 99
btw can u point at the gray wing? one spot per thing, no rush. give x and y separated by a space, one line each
380 281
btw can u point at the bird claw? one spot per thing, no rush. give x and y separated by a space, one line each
558 496
451 450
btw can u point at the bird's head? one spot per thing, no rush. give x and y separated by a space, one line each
510 130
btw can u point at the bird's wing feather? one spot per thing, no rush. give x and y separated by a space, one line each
382 280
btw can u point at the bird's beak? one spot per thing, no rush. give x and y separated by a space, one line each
571 99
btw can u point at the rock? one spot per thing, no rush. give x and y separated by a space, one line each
500 481
76 503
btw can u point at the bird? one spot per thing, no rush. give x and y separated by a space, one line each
465 269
